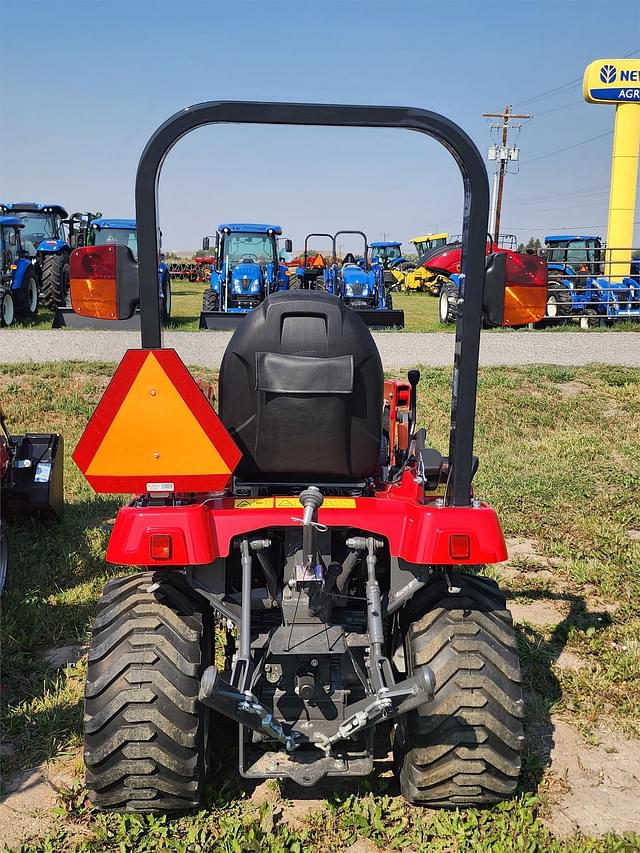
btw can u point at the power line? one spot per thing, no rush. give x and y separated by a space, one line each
557 109
568 148
557 209
582 196
564 226
551 93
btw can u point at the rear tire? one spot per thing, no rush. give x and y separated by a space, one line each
30 291
146 733
7 310
448 303
210 300
558 300
464 747
590 319
54 286
166 301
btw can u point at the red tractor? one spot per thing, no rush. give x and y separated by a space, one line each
337 553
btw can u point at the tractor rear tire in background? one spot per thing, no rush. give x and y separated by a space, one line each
7 310
464 747
30 291
558 301
448 303
590 319
294 283
210 300
146 734
165 304
389 279
54 286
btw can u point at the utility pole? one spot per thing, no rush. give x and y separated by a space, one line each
503 153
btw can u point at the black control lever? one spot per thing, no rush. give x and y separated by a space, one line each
414 377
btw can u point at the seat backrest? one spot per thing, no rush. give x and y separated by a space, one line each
301 388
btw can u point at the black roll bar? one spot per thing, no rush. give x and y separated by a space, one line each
475 218
360 234
306 242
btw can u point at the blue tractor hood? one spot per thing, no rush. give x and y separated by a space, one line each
246 279
354 275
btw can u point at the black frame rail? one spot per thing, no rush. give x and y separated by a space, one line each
475 218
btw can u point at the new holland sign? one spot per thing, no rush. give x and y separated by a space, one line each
612 81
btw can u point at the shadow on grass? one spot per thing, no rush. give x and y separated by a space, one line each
539 652
56 573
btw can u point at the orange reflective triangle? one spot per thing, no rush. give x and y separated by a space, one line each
154 430
139 440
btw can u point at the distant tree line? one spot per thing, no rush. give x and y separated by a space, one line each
534 245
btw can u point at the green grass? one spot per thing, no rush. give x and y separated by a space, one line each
420 313
559 461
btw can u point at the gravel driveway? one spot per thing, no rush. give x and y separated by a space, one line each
398 350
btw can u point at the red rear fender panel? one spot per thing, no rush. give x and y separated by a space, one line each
203 532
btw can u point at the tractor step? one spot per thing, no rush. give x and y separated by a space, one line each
220 320
66 318
383 319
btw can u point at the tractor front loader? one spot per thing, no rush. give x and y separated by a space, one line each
247 269
338 554
360 284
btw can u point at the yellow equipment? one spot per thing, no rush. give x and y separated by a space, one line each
420 279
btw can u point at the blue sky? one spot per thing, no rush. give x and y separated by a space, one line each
81 95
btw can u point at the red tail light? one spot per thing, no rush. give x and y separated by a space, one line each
525 297
459 546
160 546
93 281
525 269
93 262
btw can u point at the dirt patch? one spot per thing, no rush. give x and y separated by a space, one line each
569 662
292 812
572 388
541 613
362 845
601 784
525 561
59 656
6 750
25 807
634 535
519 548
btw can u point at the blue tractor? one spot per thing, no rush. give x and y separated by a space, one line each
578 287
45 241
246 270
361 285
19 277
121 232
389 256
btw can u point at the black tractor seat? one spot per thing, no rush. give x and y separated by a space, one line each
301 387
